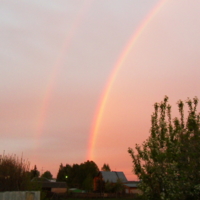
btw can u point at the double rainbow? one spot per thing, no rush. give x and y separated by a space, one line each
117 67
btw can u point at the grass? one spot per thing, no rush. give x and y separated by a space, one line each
121 198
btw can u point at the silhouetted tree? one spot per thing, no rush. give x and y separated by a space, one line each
109 187
89 170
88 183
117 187
34 173
14 173
61 173
78 176
47 175
75 176
105 167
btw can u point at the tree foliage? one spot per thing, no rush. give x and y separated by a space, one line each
34 173
105 167
117 187
61 173
168 162
78 176
47 174
14 173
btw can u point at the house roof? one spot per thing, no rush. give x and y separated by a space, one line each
46 183
132 184
54 185
113 176
40 179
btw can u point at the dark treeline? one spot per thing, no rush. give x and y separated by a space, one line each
78 175
16 175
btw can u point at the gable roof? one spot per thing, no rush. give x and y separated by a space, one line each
132 184
113 176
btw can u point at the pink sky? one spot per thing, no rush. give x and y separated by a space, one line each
56 59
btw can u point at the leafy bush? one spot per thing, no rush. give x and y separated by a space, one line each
14 173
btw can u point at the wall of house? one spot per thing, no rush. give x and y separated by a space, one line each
59 190
132 191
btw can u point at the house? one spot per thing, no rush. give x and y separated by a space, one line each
107 176
131 187
51 186
111 176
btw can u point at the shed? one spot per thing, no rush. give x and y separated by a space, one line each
108 176
113 176
47 185
131 187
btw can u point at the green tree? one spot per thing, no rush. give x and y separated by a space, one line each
105 167
75 176
88 183
109 187
168 162
47 174
34 172
88 170
78 176
117 187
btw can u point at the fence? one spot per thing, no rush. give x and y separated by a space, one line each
25 195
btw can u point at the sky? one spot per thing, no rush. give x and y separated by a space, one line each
65 95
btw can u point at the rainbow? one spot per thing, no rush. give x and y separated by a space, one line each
104 97
57 67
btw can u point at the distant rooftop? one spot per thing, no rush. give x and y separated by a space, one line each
46 183
113 176
132 183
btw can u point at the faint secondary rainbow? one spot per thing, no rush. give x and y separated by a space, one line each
57 67
123 56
